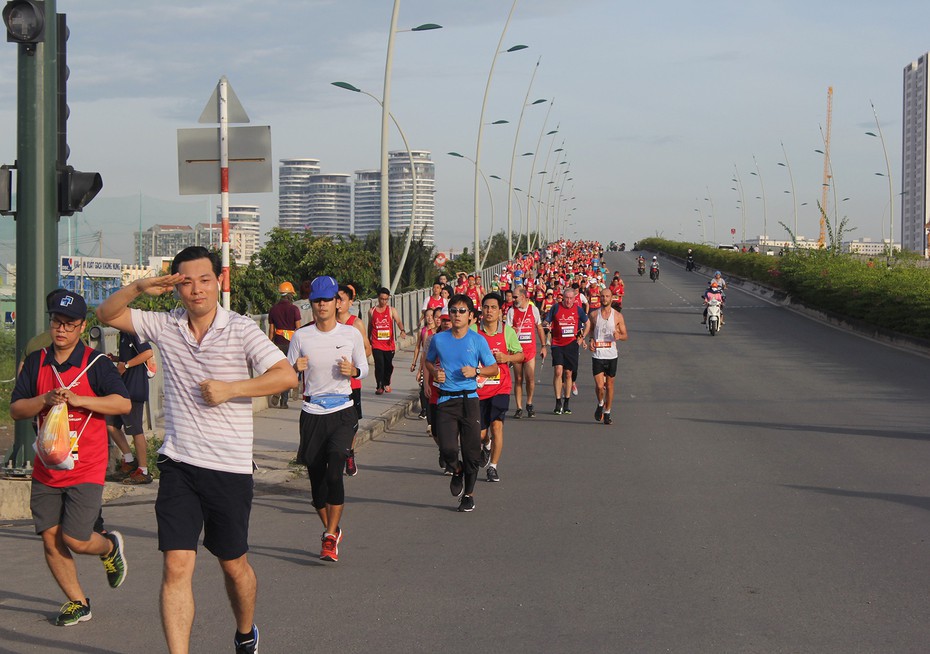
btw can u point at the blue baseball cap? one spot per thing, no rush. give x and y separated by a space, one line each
68 304
323 287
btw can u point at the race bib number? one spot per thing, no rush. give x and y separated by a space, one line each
603 344
73 435
568 330
525 338
383 334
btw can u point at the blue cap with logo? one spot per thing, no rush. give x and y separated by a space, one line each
67 303
323 287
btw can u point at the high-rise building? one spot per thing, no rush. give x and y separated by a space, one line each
164 240
329 205
293 176
400 196
245 231
914 170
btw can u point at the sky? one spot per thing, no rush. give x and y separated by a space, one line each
657 105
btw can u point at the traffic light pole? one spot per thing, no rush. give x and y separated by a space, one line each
36 202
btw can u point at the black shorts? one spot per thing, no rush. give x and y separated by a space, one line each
565 356
321 435
604 366
75 508
193 499
357 401
132 422
494 408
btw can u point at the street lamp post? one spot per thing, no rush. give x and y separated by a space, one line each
484 104
794 198
701 223
479 260
713 214
881 138
765 220
742 200
385 115
413 173
529 187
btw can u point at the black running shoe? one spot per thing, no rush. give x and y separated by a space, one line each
530 413
598 413
72 613
485 455
249 645
565 409
114 562
492 474
607 420
558 408
467 505
457 484
518 414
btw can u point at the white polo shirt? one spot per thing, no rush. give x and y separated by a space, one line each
213 437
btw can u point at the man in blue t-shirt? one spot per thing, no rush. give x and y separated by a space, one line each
133 363
454 360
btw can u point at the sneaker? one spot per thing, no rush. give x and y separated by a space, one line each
379 391
607 420
248 646
492 474
124 470
598 413
387 389
530 413
518 414
138 477
73 612
574 388
558 408
467 505
457 484
442 463
330 549
422 415
565 409
114 562
485 455
351 468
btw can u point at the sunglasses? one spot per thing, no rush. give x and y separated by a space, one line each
323 299
458 310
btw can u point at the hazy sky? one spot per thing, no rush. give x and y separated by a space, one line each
655 103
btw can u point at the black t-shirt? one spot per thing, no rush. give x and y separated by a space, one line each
136 378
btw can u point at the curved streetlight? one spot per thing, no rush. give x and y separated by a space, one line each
484 104
479 260
794 197
513 157
529 186
890 183
765 220
742 200
713 214
385 129
542 179
413 173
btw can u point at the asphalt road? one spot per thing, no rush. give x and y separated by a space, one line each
764 490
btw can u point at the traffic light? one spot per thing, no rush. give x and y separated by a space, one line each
75 188
24 21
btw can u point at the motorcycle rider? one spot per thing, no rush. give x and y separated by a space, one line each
654 267
713 292
720 281
641 264
689 262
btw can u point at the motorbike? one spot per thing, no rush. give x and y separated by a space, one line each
713 317
641 268
689 264
654 272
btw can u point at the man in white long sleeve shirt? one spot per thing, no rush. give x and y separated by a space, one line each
329 354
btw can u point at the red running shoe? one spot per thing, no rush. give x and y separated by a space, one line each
330 549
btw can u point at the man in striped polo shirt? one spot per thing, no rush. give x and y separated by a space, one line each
206 459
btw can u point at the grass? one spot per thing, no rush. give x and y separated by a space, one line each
7 372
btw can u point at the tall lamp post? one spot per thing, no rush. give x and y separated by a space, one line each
479 260
713 214
765 220
881 138
529 186
484 104
413 173
385 129
794 197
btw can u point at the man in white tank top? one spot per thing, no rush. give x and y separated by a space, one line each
604 328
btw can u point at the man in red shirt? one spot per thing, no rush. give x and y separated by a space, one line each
565 322
283 320
381 321
66 502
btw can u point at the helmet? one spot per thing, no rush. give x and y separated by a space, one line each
655 258
716 273
286 288
713 286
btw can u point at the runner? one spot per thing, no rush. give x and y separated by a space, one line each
344 301
65 503
381 321
605 327
283 320
427 330
525 319
566 320
494 394
329 354
455 359
433 301
206 460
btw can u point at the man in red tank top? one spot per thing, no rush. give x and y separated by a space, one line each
381 321
65 502
344 301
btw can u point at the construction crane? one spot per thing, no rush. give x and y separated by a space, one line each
826 171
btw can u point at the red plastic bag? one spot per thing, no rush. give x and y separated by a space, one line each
53 442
